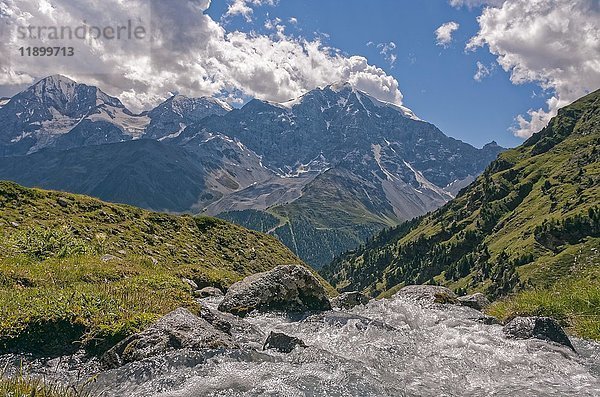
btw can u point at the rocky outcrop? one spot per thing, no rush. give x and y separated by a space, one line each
427 294
476 301
544 328
177 330
348 300
282 343
285 288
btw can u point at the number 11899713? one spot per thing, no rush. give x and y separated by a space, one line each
46 51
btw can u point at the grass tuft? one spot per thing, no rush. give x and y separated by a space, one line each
27 386
574 302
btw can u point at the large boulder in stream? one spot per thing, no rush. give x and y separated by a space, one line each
348 300
282 343
544 328
428 294
241 331
285 288
476 301
177 330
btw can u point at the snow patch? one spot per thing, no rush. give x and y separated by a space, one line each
175 134
406 112
424 183
376 149
135 126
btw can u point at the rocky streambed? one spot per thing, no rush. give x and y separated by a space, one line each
275 334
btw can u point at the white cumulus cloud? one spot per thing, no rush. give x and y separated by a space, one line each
553 43
443 34
244 7
191 54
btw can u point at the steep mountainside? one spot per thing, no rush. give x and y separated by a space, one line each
145 173
134 172
531 219
86 270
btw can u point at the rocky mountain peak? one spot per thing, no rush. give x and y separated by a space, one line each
344 96
67 96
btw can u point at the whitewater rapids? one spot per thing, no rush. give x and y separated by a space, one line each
422 351
408 350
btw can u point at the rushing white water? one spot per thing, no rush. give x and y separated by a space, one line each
436 351
419 351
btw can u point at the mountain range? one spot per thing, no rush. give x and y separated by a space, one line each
531 221
321 172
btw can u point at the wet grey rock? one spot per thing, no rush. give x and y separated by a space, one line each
472 314
340 319
224 322
177 330
348 300
282 343
207 292
241 331
428 294
544 328
487 320
285 288
191 283
476 301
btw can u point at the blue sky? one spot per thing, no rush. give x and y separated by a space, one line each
437 82
225 49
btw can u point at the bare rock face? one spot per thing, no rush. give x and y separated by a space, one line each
177 330
348 300
476 301
285 288
428 294
544 328
282 343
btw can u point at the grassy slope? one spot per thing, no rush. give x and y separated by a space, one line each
553 176
52 276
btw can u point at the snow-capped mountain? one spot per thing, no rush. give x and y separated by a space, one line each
345 165
340 126
56 106
176 113
327 169
59 112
